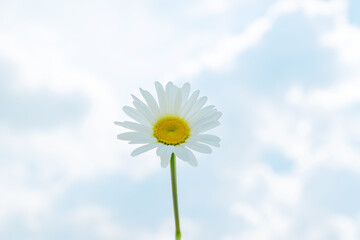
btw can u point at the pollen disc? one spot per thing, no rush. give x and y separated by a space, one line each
171 130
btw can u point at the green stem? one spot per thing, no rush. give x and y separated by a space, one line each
174 195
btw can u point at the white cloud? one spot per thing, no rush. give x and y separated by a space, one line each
212 7
313 128
222 55
93 220
340 227
344 39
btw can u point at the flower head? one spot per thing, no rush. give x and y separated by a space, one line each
174 124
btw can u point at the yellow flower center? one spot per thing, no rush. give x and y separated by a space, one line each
171 130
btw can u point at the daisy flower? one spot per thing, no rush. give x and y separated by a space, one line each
175 123
175 126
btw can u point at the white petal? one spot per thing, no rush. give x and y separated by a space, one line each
151 102
143 109
199 147
161 96
164 161
211 117
166 155
161 149
144 148
134 114
170 92
208 139
131 136
185 91
135 126
178 101
196 107
144 140
216 116
185 155
189 103
202 113
205 127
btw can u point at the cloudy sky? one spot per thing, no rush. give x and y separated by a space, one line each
284 73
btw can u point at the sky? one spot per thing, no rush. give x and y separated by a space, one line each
284 73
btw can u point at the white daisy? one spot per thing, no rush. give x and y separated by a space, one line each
174 124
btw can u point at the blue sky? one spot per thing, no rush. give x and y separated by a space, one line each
284 74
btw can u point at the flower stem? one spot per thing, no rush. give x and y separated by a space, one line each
174 195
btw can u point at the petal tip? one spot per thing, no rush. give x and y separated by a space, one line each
194 164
